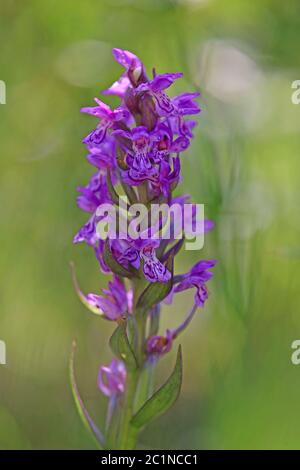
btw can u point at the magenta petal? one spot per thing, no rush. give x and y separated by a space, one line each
125 58
160 82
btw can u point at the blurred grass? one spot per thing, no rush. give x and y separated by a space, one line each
240 388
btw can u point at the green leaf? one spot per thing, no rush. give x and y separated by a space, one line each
175 249
83 413
120 346
156 291
113 193
113 264
130 193
154 323
163 399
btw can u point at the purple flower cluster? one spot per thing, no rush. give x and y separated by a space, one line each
137 147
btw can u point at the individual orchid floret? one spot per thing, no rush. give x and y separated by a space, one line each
167 178
153 269
87 233
185 104
108 119
133 65
114 304
134 75
163 143
197 277
132 252
94 194
112 378
156 87
138 158
103 157
182 127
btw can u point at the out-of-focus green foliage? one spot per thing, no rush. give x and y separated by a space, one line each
240 389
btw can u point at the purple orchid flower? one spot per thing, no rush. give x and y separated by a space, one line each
113 305
134 75
138 158
149 149
112 378
94 194
136 149
182 127
87 233
185 105
163 144
156 87
153 269
167 177
103 157
197 277
134 251
108 118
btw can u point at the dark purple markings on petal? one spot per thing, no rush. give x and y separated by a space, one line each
180 144
201 295
164 104
87 233
153 269
97 135
141 161
131 256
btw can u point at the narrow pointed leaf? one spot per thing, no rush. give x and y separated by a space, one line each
113 193
130 193
120 346
83 413
174 250
163 399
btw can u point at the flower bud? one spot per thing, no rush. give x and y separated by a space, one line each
159 344
149 115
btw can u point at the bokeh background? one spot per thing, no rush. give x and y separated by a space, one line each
240 388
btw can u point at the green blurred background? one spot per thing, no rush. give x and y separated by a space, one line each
240 388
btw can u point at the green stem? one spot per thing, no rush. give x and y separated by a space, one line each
136 392
126 438
145 385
